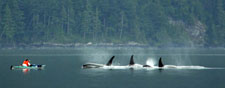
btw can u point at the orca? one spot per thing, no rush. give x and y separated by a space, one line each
131 61
146 65
160 64
95 65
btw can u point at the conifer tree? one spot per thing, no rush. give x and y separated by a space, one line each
97 25
8 25
86 20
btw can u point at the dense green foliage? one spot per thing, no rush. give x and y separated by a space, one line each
110 21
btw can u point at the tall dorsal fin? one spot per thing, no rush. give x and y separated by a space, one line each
110 61
160 62
131 60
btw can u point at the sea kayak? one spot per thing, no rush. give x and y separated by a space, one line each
28 67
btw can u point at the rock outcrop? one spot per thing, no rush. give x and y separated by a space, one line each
196 31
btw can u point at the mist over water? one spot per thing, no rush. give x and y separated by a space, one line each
150 62
141 55
96 55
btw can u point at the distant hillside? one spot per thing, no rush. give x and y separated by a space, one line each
158 23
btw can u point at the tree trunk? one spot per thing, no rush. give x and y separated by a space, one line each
68 23
84 35
121 29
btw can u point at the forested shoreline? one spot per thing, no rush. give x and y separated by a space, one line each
156 23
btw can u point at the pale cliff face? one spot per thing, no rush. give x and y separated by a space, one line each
196 31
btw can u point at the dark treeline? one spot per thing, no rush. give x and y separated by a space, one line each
152 22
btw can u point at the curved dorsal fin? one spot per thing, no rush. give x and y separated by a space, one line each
110 61
131 60
160 62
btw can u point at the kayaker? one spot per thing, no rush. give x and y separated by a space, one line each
26 63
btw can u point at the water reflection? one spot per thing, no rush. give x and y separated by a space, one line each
25 71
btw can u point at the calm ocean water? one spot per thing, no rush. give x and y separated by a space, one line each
205 68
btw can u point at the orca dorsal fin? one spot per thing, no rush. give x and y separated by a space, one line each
160 62
131 60
110 61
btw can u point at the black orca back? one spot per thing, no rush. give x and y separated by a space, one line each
160 62
131 60
110 61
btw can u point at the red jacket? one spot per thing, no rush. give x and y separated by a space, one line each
26 62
